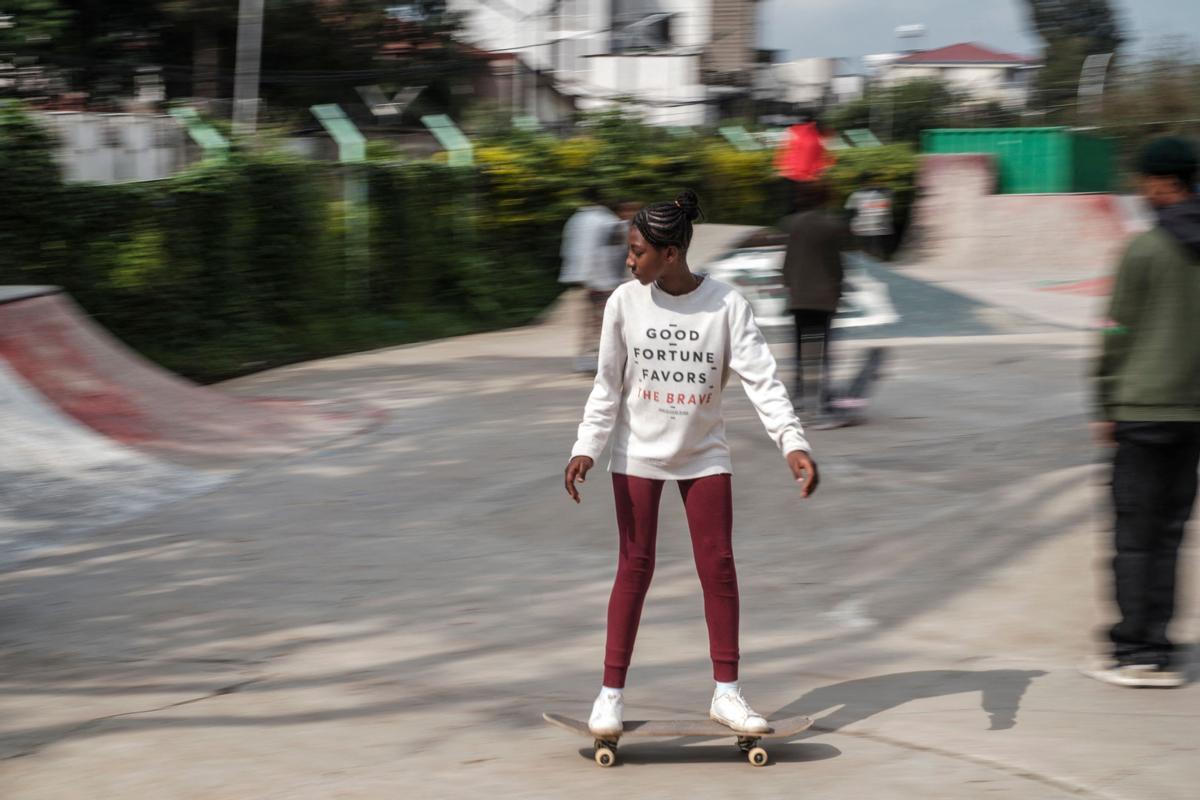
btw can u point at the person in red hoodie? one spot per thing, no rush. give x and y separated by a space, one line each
802 158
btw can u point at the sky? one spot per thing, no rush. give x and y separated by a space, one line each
858 27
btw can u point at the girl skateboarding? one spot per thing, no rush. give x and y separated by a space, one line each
669 343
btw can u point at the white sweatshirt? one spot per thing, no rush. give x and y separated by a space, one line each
664 363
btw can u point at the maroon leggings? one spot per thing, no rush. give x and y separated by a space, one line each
709 505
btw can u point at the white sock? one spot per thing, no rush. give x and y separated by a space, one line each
611 692
727 688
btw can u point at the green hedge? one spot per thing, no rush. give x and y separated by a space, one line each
242 264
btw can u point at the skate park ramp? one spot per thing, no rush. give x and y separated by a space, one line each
58 475
93 435
89 376
1046 257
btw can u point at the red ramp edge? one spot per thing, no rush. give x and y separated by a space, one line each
91 376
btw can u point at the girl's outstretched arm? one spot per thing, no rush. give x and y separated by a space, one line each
751 360
604 403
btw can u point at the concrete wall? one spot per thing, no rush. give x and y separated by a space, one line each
667 83
848 87
115 148
804 81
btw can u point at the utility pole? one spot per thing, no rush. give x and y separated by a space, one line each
249 56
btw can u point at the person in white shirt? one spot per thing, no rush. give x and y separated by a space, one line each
871 222
670 342
590 259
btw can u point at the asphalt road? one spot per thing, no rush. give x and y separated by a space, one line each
391 614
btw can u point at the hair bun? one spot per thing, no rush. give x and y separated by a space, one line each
689 203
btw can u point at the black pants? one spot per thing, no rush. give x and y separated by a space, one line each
875 246
812 333
1154 487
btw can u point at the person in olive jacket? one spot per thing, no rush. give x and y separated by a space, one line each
1148 407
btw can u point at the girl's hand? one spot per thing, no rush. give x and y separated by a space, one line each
577 469
805 471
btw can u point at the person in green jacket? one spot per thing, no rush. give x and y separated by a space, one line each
1148 398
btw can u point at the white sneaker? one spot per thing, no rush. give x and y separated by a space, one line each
1135 675
730 708
608 715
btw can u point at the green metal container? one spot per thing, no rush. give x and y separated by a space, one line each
1033 160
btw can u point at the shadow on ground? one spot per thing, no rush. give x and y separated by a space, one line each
1000 692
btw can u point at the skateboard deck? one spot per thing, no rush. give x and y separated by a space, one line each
748 743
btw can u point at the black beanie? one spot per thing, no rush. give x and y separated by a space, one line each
1170 155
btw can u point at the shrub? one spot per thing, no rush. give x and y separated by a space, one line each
245 263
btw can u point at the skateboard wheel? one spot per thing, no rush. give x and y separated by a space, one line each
605 757
757 756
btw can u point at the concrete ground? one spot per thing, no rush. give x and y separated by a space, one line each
389 616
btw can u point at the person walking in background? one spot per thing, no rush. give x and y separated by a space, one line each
802 159
591 260
672 340
871 216
813 272
1148 393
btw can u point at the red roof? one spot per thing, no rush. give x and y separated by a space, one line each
965 53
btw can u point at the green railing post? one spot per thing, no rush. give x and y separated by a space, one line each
214 145
352 152
459 150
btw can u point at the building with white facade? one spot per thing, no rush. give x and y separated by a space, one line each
674 61
977 71
808 82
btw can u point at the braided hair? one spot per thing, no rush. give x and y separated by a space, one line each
669 223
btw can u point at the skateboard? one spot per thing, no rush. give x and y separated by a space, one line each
606 749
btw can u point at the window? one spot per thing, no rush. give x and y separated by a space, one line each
640 25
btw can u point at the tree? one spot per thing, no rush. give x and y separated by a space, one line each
29 183
313 51
918 105
318 51
213 24
899 113
106 43
1071 31
1154 95
30 27
28 30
